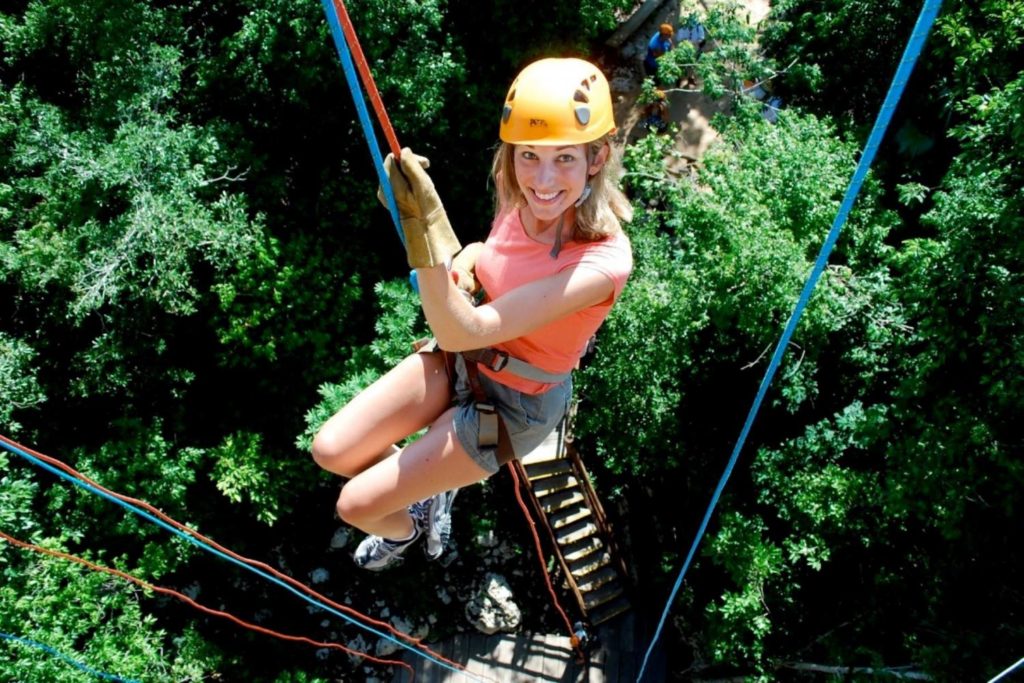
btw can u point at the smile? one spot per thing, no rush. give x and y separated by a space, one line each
546 196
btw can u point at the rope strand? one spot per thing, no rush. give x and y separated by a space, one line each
916 41
192 603
73 662
260 569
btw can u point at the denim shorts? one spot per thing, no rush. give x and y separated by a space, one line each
528 418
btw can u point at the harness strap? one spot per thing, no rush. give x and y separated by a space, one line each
500 361
491 428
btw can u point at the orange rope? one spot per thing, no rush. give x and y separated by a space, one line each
364 72
253 563
202 608
540 557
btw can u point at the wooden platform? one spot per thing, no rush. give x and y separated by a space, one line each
526 658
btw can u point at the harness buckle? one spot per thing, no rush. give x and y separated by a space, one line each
494 359
485 407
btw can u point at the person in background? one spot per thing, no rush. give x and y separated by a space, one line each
693 32
659 44
497 378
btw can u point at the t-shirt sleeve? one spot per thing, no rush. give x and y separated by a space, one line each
612 257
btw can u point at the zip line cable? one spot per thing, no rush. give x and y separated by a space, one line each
1009 671
69 474
60 655
913 50
192 603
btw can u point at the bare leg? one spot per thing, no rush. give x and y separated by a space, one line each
376 499
402 402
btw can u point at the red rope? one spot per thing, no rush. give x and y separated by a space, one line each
540 557
202 608
253 563
364 72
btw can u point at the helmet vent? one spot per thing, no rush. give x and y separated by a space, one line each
511 94
506 113
580 96
583 115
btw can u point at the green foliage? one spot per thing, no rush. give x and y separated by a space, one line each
740 620
399 324
18 382
91 618
244 471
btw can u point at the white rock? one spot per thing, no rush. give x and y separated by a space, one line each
492 608
359 645
444 596
385 647
319 575
341 538
488 540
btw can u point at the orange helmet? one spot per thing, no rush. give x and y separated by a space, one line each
557 101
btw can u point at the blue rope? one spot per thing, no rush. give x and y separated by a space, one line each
352 77
78 665
910 55
1008 671
210 549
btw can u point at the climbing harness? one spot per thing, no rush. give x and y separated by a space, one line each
491 430
914 45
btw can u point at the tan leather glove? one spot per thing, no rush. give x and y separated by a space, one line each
429 239
464 268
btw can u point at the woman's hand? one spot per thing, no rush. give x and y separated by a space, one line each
464 268
429 239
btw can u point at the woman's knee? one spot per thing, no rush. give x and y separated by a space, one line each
329 451
355 507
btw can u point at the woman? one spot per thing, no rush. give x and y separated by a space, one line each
554 263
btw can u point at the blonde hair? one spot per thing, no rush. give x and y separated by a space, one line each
601 215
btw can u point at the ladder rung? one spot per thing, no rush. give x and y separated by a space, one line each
567 516
582 548
609 610
571 533
543 487
589 563
606 593
561 499
596 579
547 468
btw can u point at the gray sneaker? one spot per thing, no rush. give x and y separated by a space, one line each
433 516
376 553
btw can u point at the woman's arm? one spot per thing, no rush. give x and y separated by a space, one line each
458 326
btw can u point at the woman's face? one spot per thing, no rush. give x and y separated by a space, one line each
552 177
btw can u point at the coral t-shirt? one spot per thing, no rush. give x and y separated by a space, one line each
511 258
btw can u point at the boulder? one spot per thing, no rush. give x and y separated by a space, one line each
491 608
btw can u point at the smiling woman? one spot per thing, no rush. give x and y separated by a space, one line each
498 378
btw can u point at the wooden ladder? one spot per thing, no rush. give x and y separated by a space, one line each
565 503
